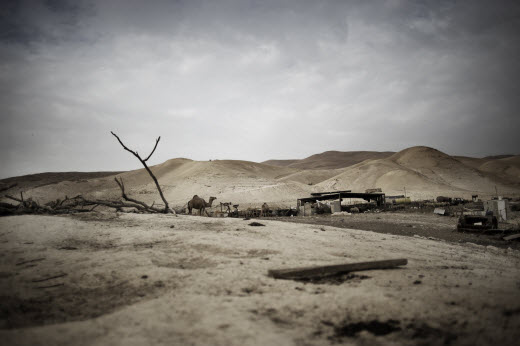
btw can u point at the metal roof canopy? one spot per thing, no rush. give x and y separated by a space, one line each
379 197
328 193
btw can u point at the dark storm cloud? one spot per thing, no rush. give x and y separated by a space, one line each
51 21
254 79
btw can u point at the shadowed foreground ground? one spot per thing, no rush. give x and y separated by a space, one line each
128 279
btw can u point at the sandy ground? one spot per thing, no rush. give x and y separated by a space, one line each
418 224
130 279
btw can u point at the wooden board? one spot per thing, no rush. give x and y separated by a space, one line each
511 237
321 271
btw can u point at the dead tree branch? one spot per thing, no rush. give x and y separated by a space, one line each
156 142
14 198
125 196
73 205
136 154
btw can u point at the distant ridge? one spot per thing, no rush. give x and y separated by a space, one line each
426 172
422 172
497 157
42 179
280 163
331 159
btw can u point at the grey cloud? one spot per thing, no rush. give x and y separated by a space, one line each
254 79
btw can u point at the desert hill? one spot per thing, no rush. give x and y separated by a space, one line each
424 172
503 167
242 182
312 176
331 159
30 181
506 168
280 163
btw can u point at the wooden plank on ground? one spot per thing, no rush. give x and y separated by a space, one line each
511 237
322 271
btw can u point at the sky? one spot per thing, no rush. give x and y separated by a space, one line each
253 80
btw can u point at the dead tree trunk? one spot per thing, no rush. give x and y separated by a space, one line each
166 207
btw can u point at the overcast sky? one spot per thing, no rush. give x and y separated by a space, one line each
253 80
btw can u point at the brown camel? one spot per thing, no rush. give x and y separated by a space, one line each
200 204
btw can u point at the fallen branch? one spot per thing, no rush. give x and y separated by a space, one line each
14 198
329 270
511 237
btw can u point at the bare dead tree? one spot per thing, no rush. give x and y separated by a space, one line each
143 161
75 204
71 205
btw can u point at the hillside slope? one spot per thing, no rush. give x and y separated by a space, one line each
331 159
242 182
424 172
506 168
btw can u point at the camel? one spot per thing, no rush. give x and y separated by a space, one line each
200 204
265 210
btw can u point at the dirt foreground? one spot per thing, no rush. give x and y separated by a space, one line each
130 279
